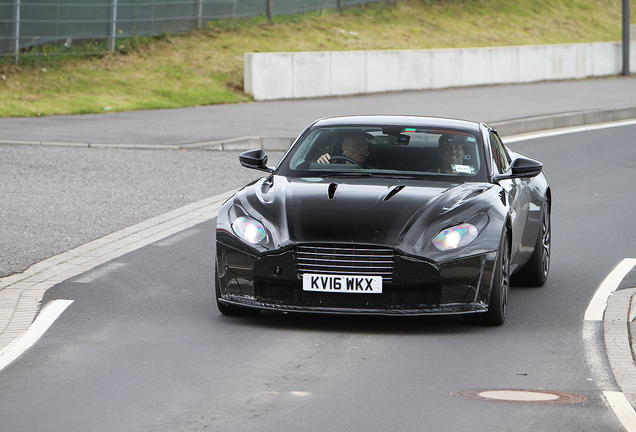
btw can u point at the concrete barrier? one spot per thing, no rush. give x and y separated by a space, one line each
298 75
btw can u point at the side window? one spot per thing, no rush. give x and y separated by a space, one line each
499 154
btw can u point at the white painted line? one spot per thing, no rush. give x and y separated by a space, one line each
622 408
596 308
47 317
565 131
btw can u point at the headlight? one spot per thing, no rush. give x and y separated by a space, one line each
454 237
249 230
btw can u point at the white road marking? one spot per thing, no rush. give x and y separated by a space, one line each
596 308
622 408
565 131
41 324
594 314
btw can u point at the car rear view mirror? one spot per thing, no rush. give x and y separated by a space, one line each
255 159
525 167
521 167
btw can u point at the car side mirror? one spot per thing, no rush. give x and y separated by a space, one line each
255 159
522 167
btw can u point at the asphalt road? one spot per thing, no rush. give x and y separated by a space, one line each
54 198
143 348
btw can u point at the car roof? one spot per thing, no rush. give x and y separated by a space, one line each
398 120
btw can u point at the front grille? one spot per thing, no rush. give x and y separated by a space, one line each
346 260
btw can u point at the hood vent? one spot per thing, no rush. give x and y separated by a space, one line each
470 195
393 192
332 190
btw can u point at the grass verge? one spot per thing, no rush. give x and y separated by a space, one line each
206 67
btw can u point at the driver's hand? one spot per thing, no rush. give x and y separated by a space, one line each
324 158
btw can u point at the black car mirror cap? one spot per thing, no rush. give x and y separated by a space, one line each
521 167
255 159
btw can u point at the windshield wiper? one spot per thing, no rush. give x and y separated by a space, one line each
401 176
345 174
356 173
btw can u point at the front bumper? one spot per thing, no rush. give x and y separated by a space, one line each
417 286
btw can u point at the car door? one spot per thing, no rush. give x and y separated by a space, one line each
515 195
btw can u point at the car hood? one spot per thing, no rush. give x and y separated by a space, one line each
358 210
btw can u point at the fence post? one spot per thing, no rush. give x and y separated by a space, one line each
113 31
340 5
626 37
200 26
270 11
17 30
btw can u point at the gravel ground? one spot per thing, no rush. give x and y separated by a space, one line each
57 198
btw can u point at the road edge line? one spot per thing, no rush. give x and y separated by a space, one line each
598 304
622 409
36 330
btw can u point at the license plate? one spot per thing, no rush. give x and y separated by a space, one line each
342 283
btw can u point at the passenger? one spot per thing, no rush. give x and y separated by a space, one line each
451 152
354 146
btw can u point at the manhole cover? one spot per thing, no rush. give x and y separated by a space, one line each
520 396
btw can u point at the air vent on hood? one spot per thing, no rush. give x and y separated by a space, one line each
332 190
462 199
393 192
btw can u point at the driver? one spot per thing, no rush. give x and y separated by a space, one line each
451 152
354 146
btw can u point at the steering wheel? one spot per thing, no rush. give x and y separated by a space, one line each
344 158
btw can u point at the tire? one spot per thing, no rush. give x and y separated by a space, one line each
498 304
534 273
226 309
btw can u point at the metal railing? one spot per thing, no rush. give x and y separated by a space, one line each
25 24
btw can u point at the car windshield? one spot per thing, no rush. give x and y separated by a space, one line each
393 151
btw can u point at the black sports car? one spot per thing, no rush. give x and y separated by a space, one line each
389 215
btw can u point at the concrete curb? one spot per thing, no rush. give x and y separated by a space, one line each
617 323
505 128
564 120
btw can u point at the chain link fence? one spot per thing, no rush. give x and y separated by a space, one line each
85 26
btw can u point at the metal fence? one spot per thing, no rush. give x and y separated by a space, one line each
30 23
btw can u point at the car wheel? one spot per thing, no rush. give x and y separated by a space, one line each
226 309
535 272
498 304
